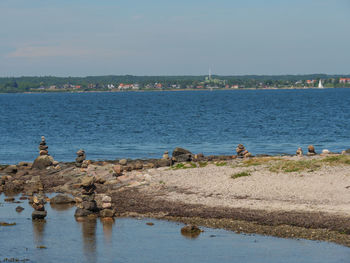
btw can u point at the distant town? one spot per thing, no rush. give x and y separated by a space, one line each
139 83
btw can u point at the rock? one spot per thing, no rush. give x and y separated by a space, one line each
19 209
80 152
106 199
199 157
138 165
325 151
87 181
311 150
85 164
42 162
191 230
43 147
299 152
123 162
80 159
181 155
164 162
80 212
166 155
107 213
118 170
11 169
43 152
24 164
62 199
106 205
9 199
91 206
36 215
55 163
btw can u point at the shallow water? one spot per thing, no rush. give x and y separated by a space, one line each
131 240
145 124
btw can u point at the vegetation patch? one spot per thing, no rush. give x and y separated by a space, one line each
184 166
241 174
202 164
221 164
337 160
290 166
259 161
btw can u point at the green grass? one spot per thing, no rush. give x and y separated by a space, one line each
202 164
289 166
241 174
221 164
338 159
183 166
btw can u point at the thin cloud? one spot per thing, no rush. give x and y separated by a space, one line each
47 51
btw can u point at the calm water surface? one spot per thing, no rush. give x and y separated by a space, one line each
131 240
144 124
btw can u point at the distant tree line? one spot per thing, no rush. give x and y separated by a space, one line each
26 84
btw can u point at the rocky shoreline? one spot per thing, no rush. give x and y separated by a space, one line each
291 196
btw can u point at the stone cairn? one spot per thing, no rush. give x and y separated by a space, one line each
88 205
311 150
79 161
106 210
43 147
299 152
242 152
166 155
38 204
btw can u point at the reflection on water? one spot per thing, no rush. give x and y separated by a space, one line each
131 240
88 229
62 207
107 224
38 231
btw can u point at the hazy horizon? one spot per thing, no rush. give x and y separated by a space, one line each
159 38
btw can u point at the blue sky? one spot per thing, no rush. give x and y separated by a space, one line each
161 37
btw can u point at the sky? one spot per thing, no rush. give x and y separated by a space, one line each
182 37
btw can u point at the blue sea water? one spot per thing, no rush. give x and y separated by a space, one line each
145 124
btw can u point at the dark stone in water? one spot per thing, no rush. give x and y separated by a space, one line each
80 212
36 215
62 199
9 199
19 209
191 231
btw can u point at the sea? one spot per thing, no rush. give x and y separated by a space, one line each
142 125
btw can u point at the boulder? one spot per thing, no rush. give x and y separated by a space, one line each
61 199
123 162
42 162
164 162
91 206
191 230
80 212
38 215
311 150
87 181
11 169
107 213
19 209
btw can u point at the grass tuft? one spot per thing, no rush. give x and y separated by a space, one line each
241 174
221 164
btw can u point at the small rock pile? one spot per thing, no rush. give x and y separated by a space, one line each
166 155
107 210
299 152
311 150
242 152
79 161
38 204
44 160
88 205
43 147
